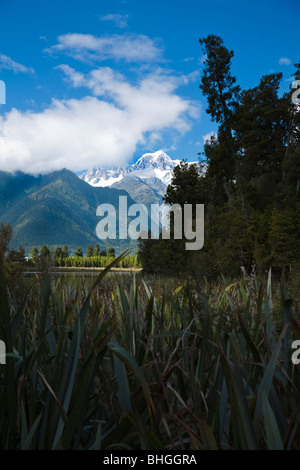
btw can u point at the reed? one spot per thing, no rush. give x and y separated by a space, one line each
149 363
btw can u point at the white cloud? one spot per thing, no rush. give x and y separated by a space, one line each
285 61
101 129
9 64
76 78
119 20
89 48
208 136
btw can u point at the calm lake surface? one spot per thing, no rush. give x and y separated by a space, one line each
85 277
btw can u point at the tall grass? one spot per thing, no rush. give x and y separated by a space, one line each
149 364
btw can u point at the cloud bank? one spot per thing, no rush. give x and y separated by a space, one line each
90 48
103 128
112 117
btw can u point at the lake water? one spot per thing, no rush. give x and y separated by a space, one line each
86 277
93 274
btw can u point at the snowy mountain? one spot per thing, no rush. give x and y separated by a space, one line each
145 181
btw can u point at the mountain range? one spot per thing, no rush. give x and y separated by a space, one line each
145 181
55 209
60 208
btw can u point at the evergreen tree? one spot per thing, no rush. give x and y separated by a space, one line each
111 252
89 251
45 252
284 234
5 237
58 252
17 256
78 252
223 96
96 251
261 131
34 255
65 251
217 83
57 256
186 186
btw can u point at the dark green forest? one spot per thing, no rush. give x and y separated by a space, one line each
251 183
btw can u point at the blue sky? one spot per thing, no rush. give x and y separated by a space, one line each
93 83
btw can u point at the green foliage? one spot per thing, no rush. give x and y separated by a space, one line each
58 252
17 256
251 187
184 178
149 364
5 237
45 252
89 250
34 255
65 251
111 252
78 252
217 82
60 258
96 251
100 262
284 234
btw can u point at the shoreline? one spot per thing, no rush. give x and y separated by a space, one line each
78 268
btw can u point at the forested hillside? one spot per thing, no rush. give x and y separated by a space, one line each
55 209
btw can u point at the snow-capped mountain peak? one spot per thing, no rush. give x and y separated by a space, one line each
153 169
157 159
